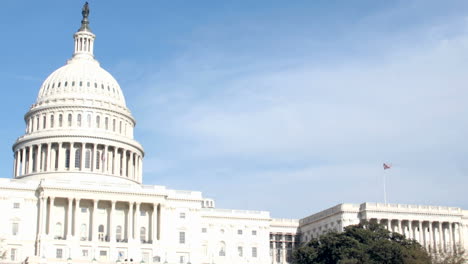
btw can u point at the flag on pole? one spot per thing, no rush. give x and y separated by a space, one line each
387 166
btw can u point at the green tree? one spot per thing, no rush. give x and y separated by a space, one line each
366 243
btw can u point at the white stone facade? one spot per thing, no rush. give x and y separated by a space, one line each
437 228
76 195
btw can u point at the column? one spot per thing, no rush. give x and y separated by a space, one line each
61 157
94 158
273 255
154 223
137 223
283 250
48 161
124 163
111 222
451 238
421 240
30 162
42 203
160 220
130 221
389 225
460 235
76 222
51 213
82 153
23 161
17 163
72 156
117 162
94 226
399 227
105 160
441 238
69 218
40 164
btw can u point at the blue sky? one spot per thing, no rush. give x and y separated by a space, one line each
286 106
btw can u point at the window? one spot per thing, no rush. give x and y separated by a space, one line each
84 252
52 121
181 237
98 121
120 127
78 120
84 209
240 251
254 252
182 215
60 120
118 233
88 120
88 159
37 123
203 230
67 159
254 232
59 253
16 205
14 229
106 123
77 158
113 125
143 234
83 230
44 122
13 254
181 259
98 159
69 119
239 231
101 232
142 213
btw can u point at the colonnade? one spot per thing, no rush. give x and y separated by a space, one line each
51 225
78 156
435 236
281 247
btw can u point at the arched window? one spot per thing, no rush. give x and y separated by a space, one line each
118 233
44 122
37 123
98 121
67 159
106 123
88 159
78 120
143 234
32 124
69 119
84 232
77 158
58 230
52 121
89 120
113 125
222 249
60 120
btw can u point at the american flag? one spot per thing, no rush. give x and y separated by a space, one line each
387 166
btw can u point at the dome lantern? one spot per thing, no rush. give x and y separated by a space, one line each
84 38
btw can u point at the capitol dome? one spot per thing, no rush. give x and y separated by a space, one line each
81 79
80 128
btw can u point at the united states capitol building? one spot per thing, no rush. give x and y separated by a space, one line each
77 195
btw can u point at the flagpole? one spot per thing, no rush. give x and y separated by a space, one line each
384 188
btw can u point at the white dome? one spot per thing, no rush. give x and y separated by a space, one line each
81 78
